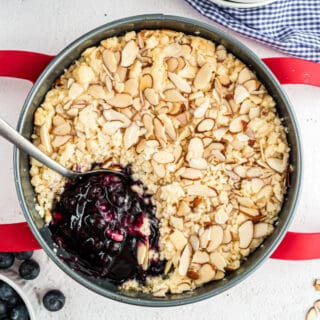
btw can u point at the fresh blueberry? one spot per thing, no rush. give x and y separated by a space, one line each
3 308
19 312
6 260
29 269
54 300
6 291
25 255
13 300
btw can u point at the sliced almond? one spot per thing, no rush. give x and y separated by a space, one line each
113 115
218 260
111 127
205 237
75 90
194 241
216 238
200 190
57 120
205 125
179 82
129 53
146 81
120 100
62 129
163 157
83 74
184 261
227 237
177 223
240 94
256 185
245 234
45 138
219 275
260 230
183 209
169 127
201 110
316 304
195 148
172 50
172 64
312 314
221 216
241 171
245 201
206 274
219 133
237 124
173 95
254 172
159 169
276 164
244 75
191 174
249 211
109 60
217 155
252 85
203 76
265 192
178 240
97 91
147 120
198 163
151 95
141 253
200 257
131 135
59 141
131 87
159 131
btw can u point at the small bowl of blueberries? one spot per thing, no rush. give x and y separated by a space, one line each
14 302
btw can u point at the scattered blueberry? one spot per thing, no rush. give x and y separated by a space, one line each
54 300
25 255
11 305
29 269
13 300
6 291
3 308
19 312
6 260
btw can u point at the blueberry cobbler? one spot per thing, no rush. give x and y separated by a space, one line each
201 152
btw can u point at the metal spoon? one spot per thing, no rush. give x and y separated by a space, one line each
10 134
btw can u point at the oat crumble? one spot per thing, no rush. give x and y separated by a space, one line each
197 127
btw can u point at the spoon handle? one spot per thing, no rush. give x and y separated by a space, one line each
10 134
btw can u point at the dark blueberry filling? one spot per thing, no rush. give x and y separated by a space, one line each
98 221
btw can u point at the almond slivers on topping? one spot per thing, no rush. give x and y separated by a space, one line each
198 129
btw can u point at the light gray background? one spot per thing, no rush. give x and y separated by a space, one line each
278 290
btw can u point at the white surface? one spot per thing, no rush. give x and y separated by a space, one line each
278 290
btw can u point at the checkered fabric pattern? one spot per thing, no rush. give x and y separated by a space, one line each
291 26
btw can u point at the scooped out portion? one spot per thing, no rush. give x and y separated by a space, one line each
108 225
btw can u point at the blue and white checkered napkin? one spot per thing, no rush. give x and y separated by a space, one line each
291 26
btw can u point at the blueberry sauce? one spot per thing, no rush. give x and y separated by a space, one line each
100 221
